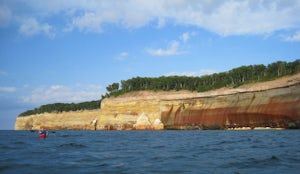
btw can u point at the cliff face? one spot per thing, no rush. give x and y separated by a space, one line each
80 120
268 104
275 108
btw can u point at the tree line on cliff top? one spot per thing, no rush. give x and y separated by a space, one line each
61 107
233 78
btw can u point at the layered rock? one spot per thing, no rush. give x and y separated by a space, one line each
275 108
142 122
274 104
80 120
128 113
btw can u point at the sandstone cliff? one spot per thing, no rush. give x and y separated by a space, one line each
80 120
274 104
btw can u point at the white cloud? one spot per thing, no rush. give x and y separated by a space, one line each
31 27
181 74
228 17
161 23
192 73
7 89
293 38
223 17
173 49
89 22
64 94
5 16
3 73
122 56
206 72
185 37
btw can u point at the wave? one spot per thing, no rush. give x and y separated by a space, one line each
72 145
19 142
254 163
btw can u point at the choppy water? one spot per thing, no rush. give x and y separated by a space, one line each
151 152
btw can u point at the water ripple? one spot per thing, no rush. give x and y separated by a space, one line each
151 152
72 145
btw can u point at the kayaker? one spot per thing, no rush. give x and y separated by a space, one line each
43 133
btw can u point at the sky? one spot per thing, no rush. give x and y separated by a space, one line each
70 50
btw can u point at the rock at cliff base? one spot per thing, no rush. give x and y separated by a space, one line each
142 122
157 124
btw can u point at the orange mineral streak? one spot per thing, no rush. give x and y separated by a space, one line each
278 108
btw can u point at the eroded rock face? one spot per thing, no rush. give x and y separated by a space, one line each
81 120
157 125
275 108
142 122
274 104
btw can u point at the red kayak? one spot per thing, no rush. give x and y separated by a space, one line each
43 133
43 136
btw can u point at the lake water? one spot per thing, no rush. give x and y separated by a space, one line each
171 152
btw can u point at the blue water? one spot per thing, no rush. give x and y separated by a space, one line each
151 152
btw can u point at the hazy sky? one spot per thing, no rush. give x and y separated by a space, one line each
70 50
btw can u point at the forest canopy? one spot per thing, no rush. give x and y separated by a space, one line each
61 107
232 78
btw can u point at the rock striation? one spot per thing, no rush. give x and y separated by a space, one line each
274 108
272 104
80 120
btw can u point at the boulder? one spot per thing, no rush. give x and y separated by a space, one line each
142 122
157 125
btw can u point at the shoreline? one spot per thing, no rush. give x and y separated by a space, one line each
257 128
